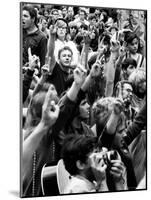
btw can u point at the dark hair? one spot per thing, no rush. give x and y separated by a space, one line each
63 49
119 86
76 147
130 36
82 10
33 13
92 16
83 25
127 62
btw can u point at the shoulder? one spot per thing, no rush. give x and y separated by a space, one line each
78 185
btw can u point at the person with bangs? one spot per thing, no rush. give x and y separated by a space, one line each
132 44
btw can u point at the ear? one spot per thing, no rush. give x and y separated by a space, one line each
80 165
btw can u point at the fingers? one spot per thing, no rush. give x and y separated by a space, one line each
45 69
102 41
48 98
29 53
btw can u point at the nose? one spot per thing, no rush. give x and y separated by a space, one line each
87 106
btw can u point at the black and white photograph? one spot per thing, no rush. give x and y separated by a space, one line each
83 99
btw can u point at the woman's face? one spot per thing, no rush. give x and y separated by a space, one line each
133 46
61 28
84 109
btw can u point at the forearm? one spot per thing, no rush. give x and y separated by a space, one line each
87 83
112 123
136 126
84 55
73 91
51 46
39 85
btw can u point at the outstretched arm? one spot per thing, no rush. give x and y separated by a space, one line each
51 48
50 113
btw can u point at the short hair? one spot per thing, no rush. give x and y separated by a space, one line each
82 10
64 49
54 10
76 147
127 62
32 12
84 26
92 16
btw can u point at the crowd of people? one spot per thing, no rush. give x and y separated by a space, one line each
84 97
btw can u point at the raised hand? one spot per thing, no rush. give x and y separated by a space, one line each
97 68
53 30
118 106
98 166
79 74
87 38
50 110
33 60
45 68
118 170
115 44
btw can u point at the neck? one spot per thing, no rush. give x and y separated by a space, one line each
62 38
32 29
64 68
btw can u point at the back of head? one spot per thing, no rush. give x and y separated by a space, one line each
137 77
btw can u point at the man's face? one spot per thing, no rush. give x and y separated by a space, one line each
82 15
64 12
55 15
27 21
65 58
127 92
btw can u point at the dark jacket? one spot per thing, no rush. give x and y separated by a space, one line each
37 41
